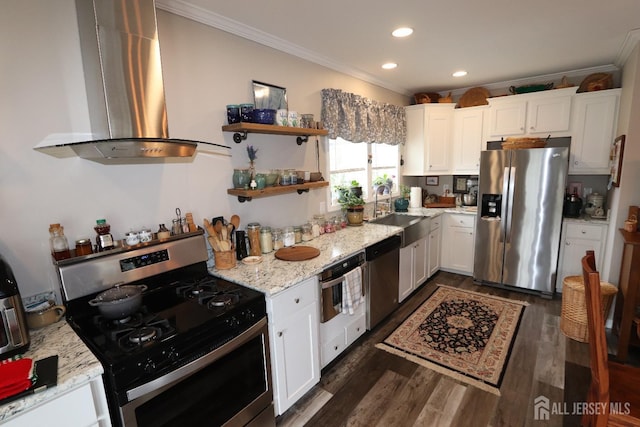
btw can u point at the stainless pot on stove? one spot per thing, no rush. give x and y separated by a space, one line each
119 301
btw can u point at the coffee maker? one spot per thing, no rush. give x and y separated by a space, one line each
14 334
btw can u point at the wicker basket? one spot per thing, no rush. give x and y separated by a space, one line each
224 260
516 143
573 318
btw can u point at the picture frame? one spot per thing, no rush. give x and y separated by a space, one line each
269 96
460 183
617 151
433 180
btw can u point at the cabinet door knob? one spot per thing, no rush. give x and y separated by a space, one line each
297 300
335 348
532 128
280 333
567 243
583 232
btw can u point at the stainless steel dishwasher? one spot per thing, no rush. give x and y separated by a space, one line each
382 278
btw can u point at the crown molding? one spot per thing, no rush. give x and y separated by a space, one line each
211 19
630 42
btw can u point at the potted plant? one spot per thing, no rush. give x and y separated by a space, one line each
356 188
383 180
402 203
354 205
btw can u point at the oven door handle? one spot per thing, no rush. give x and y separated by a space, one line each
197 364
333 282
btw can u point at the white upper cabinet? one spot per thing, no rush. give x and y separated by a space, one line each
429 129
546 113
593 125
468 139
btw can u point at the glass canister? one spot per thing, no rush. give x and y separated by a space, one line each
288 236
307 232
266 240
337 223
58 242
319 219
285 178
297 232
84 247
328 226
104 239
278 243
253 233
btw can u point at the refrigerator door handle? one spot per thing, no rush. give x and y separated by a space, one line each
512 182
505 189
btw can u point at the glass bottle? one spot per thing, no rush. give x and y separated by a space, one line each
253 232
163 233
104 239
278 243
297 231
176 227
307 232
58 242
288 236
266 242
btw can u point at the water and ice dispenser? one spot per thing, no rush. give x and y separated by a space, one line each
491 206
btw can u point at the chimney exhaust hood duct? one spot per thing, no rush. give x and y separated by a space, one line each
125 90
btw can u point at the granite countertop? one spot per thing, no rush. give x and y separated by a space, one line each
76 365
587 219
273 275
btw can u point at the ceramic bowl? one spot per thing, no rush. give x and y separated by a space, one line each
264 116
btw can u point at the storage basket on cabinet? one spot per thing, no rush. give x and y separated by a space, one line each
573 318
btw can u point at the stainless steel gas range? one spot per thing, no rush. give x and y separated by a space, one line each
195 353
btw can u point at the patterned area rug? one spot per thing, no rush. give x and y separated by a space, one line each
465 335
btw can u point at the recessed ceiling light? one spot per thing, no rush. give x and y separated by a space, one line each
389 65
460 73
402 32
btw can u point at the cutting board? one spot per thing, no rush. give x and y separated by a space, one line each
297 253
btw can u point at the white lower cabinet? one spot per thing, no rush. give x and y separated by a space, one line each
293 337
337 334
80 407
458 243
578 238
413 267
433 251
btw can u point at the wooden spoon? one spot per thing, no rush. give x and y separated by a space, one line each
235 220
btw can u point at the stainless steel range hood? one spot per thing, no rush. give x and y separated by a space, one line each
125 90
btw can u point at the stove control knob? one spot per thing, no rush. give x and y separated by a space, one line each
249 315
233 321
149 366
173 355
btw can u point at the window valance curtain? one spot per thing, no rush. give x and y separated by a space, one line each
357 119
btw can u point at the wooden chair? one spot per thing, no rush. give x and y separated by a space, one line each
614 386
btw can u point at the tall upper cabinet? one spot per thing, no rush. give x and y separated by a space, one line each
593 126
468 139
429 128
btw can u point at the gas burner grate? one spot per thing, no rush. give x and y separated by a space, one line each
139 329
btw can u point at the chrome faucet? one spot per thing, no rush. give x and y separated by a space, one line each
375 203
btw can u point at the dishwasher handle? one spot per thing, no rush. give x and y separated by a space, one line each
378 249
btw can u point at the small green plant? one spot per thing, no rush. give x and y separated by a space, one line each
346 198
383 179
404 191
355 183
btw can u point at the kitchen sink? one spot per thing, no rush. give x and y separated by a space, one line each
414 227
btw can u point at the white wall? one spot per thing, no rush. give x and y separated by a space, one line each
628 193
42 93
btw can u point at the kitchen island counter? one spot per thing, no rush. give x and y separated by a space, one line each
77 366
273 275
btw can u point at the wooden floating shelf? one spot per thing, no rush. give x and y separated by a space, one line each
247 195
243 128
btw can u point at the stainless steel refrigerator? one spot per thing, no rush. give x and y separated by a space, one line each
520 198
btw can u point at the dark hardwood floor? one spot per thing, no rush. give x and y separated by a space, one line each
367 386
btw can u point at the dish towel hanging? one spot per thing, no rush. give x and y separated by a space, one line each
352 290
